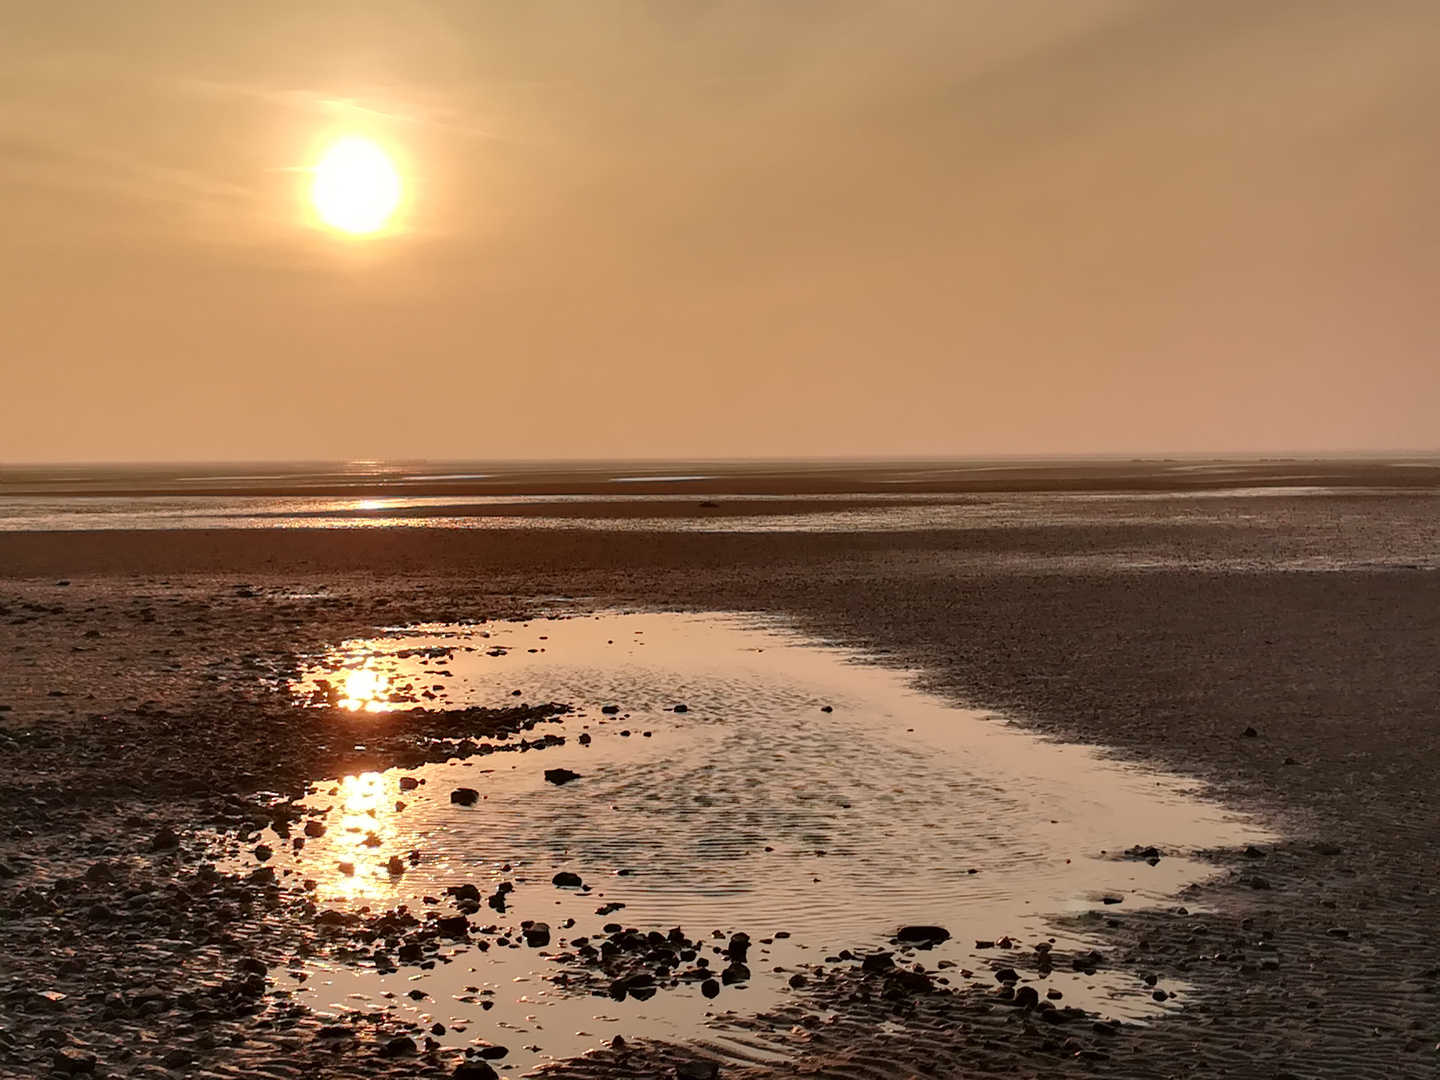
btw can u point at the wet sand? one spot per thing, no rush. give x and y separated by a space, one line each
1315 626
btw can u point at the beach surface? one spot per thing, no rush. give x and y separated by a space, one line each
1284 649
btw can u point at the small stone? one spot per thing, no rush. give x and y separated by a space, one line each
917 982
736 972
263 852
74 1062
314 829
454 926
1338 932
465 796
561 776
408 783
1026 997
165 839
399 1046
697 1069
566 880
710 988
881 961
475 1070
1249 733
924 936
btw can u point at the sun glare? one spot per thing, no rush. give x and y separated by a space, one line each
356 188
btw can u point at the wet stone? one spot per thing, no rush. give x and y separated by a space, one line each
74 1062
465 796
399 1046
697 1069
922 936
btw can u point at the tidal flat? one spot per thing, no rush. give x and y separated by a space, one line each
1272 666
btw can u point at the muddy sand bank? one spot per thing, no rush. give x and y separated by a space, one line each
1312 957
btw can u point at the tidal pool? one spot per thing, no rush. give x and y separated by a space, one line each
734 776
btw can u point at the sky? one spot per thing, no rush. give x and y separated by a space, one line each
715 229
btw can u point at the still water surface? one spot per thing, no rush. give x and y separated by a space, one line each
802 791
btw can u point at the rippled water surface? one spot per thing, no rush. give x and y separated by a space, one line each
801 791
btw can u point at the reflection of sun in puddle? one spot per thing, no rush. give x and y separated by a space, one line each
364 689
361 679
753 809
366 807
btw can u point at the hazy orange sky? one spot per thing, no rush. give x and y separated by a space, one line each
715 229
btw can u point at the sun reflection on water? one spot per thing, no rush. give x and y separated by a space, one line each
357 860
376 681
365 689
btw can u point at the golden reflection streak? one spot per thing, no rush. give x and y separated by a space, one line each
357 839
365 689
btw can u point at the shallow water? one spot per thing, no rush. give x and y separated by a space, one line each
754 810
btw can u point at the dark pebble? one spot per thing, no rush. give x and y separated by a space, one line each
475 1070
924 936
400 1046
697 1069
881 961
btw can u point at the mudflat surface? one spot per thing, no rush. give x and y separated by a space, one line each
1291 656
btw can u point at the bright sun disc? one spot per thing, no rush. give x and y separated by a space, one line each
356 188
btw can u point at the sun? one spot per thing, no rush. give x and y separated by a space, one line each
356 186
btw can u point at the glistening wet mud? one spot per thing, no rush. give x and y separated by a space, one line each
730 777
